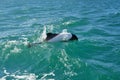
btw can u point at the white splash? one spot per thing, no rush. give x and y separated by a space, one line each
5 72
9 44
43 35
25 42
12 42
15 50
47 74
24 76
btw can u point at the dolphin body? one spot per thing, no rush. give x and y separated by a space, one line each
64 36
53 37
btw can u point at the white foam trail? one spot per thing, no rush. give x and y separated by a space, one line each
66 61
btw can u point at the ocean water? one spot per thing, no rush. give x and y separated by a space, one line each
95 56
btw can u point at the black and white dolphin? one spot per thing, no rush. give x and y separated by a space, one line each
61 37
64 36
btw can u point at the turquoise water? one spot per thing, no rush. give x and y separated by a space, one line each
96 56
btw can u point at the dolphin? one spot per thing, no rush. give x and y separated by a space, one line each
64 36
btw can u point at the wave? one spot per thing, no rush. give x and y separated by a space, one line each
110 19
70 22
